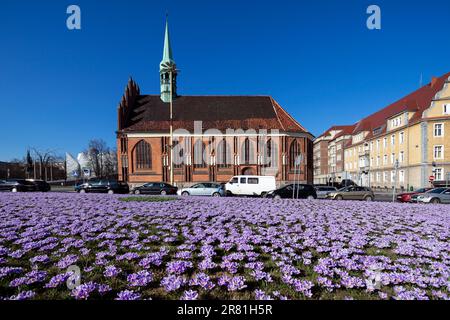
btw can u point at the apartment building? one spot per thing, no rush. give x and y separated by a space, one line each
329 154
406 144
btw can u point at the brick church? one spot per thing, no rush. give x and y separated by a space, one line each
206 138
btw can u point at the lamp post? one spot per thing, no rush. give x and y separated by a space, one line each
171 128
171 68
396 165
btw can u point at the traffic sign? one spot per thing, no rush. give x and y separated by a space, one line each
432 178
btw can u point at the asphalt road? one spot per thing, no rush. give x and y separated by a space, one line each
380 197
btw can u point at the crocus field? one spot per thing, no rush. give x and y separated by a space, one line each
220 248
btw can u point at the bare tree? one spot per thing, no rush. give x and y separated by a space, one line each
43 159
110 163
95 152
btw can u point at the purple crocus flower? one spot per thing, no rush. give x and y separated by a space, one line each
190 295
128 295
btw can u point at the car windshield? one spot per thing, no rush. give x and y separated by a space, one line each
343 189
438 190
421 190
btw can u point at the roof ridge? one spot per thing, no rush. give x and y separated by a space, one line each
287 114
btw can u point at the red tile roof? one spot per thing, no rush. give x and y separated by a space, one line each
150 114
415 102
348 129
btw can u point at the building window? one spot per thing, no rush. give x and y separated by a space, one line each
378 177
178 155
392 158
401 157
143 155
393 139
199 154
384 143
385 159
378 161
385 177
439 174
294 152
401 176
438 152
392 176
438 130
446 109
378 144
247 151
223 155
401 137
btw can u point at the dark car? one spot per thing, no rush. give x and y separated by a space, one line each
102 186
407 196
302 191
347 183
17 185
41 185
156 188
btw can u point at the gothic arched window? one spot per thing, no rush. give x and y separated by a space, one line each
199 151
223 156
143 156
248 154
294 152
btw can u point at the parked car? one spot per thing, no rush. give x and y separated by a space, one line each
352 193
322 191
407 196
203 189
298 191
41 185
17 185
250 185
156 188
102 186
435 196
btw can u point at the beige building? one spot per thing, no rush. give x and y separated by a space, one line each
406 144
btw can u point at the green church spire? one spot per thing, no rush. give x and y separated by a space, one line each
168 69
167 52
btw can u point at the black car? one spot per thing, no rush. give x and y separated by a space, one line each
156 188
102 186
41 185
17 185
302 191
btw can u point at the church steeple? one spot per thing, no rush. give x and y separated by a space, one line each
165 67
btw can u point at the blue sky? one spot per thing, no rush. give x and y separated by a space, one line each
60 88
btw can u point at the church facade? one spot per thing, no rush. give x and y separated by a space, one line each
207 138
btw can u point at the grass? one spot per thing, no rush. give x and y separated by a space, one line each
148 199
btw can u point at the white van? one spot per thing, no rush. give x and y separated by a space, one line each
250 185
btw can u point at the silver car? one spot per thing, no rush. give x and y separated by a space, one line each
438 195
203 189
322 192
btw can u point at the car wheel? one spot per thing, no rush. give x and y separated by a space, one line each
435 201
164 193
277 197
310 198
82 191
229 194
137 192
185 194
368 198
339 198
216 195
14 190
110 191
